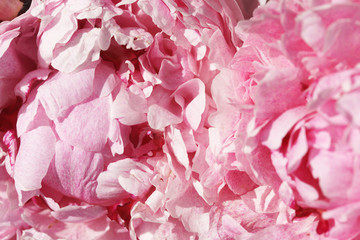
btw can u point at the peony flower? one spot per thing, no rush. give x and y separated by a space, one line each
302 119
315 152
157 119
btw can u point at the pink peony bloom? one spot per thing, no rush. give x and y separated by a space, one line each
315 152
302 122
177 120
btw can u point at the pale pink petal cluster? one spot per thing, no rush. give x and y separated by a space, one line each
167 119
302 137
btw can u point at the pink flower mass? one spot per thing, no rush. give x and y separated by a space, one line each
180 119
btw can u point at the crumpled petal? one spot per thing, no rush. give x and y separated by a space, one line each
122 177
82 48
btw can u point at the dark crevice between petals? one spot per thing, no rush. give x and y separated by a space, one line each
25 7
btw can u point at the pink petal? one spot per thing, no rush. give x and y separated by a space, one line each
32 234
308 192
192 210
239 182
31 115
83 48
115 138
129 107
13 68
178 157
108 188
163 110
337 33
122 178
220 52
263 168
171 74
105 79
298 150
37 149
77 130
304 229
134 177
347 222
74 172
160 117
262 200
58 30
9 9
98 228
278 91
65 90
334 171
191 97
160 14
24 87
6 38
280 127
77 214
346 104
